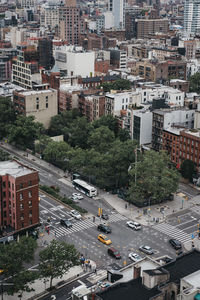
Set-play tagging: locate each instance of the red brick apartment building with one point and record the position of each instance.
(181, 145)
(19, 205)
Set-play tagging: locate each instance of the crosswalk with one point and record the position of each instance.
(83, 225)
(173, 232)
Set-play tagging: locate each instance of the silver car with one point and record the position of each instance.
(146, 249)
(134, 256)
(75, 214)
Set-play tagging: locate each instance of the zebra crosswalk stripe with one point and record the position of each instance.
(84, 224)
(173, 232)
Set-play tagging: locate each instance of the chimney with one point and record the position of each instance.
(136, 272)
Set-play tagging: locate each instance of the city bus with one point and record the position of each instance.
(84, 188)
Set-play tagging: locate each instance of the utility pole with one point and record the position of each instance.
(136, 166)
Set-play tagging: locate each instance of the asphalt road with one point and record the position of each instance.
(84, 235)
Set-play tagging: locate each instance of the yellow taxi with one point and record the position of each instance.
(104, 239)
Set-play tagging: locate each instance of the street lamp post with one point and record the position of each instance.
(2, 284)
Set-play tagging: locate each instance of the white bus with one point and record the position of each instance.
(85, 188)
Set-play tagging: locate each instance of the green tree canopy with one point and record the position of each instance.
(195, 83)
(4, 155)
(120, 84)
(7, 116)
(24, 131)
(56, 259)
(188, 169)
(61, 123)
(57, 153)
(101, 139)
(80, 130)
(12, 258)
(155, 177)
(108, 121)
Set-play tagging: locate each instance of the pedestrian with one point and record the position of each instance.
(95, 271)
(55, 233)
(126, 206)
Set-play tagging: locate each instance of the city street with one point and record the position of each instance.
(83, 235)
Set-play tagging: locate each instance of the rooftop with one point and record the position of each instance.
(184, 265)
(14, 169)
(33, 92)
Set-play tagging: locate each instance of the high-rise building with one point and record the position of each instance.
(19, 201)
(117, 7)
(69, 25)
(192, 16)
(45, 51)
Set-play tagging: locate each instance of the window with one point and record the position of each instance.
(47, 104)
(29, 183)
(22, 224)
(9, 184)
(12, 186)
(21, 206)
(30, 203)
(21, 196)
(4, 194)
(122, 100)
(4, 204)
(187, 116)
(30, 213)
(4, 184)
(30, 194)
(21, 185)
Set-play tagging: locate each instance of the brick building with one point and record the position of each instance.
(147, 26)
(160, 71)
(92, 106)
(182, 144)
(18, 197)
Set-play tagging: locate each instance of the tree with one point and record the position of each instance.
(188, 169)
(24, 131)
(12, 260)
(101, 139)
(195, 83)
(109, 121)
(7, 116)
(155, 178)
(56, 259)
(42, 143)
(57, 154)
(79, 133)
(61, 123)
(119, 84)
(4, 155)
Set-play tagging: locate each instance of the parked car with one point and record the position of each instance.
(146, 249)
(104, 228)
(77, 195)
(114, 253)
(175, 244)
(75, 214)
(66, 223)
(134, 225)
(103, 238)
(134, 256)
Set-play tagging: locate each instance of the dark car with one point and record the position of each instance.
(104, 216)
(104, 228)
(114, 253)
(66, 223)
(175, 244)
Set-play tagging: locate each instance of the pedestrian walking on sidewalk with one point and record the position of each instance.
(95, 270)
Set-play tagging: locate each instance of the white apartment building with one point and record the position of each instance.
(192, 16)
(173, 97)
(43, 104)
(50, 15)
(139, 125)
(197, 117)
(75, 61)
(26, 3)
(116, 102)
(117, 7)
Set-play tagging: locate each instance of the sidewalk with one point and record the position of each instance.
(132, 212)
(137, 214)
(40, 287)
